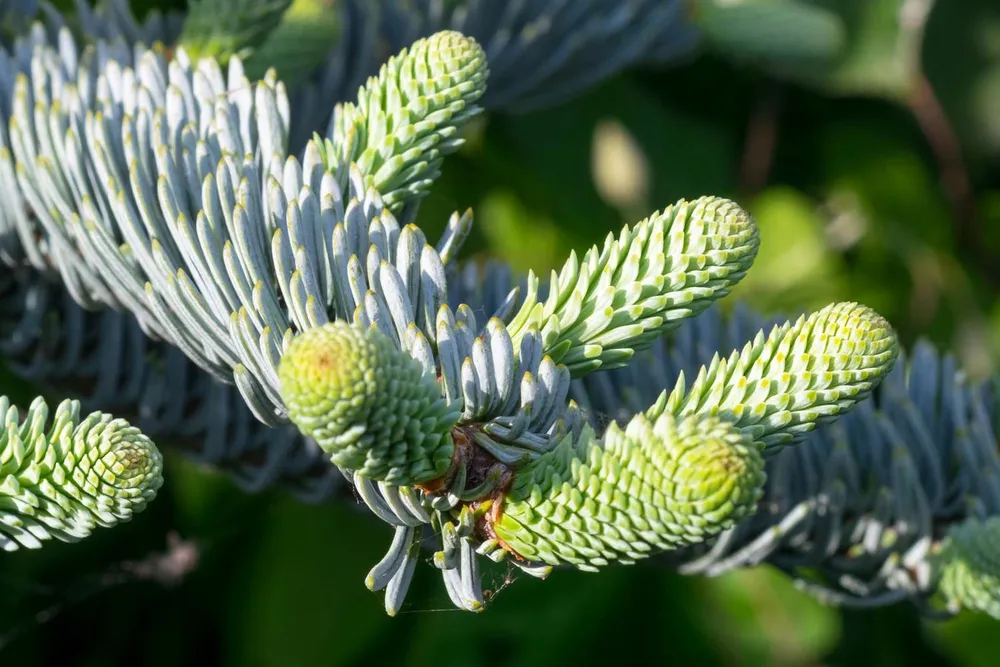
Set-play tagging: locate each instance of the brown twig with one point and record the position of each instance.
(944, 143)
(761, 141)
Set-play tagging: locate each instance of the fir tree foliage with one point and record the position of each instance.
(166, 197)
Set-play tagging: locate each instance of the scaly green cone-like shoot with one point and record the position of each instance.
(372, 407)
(408, 118)
(968, 566)
(619, 299)
(656, 485)
(779, 387)
(60, 481)
(692, 464)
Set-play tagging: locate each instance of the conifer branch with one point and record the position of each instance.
(156, 184)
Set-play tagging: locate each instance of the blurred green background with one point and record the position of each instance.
(875, 178)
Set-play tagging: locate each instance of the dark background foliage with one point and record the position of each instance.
(883, 198)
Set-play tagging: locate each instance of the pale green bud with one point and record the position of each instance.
(657, 485)
(779, 387)
(408, 118)
(968, 566)
(61, 480)
(371, 406)
(642, 284)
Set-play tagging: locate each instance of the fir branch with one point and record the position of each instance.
(512, 394)
(856, 511)
(146, 203)
(106, 361)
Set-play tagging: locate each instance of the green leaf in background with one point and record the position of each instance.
(15, 387)
(970, 640)
(843, 47)
(296, 595)
(222, 29)
(519, 236)
(769, 620)
(306, 35)
(624, 616)
(923, 284)
(882, 56)
(892, 637)
(772, 33)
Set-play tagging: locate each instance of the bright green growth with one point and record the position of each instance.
(222, 29)
(659, 484)
(619, 299)
(780, 387)
(692, 465)
(60, 481)
(772, 31)
(408, 118)
(372, 407)
(968, 566)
